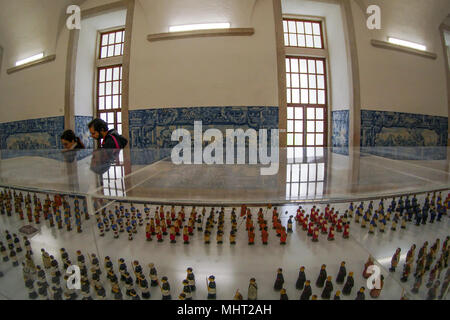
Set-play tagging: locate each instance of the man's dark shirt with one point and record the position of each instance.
(109, 143)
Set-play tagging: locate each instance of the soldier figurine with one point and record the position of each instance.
(307, 291)
(27, 245)
(153, 275)
(341, 274)
(252, 290)
(360, 295)
(283, 294)
(322, 276)
(187, 290)
(326, 293)
(165, 289)
(348, 284)
(57, 292)
(143, 285)
(100, 291)
(432, 276)
(337, 295)
(116, 292)
(432, 292)
(395, 260)
(279, 280)
(211, 288)
(32, 294)
(17, 243)
(4, 252)
(301, 279)
(191, 279)
(406, 272)
(417, 282)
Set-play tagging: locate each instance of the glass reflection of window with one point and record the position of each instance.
(303, 179)
(113, 183)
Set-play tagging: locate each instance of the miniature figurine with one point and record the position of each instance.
(337, 295)
(301, 279)
(341, 274)
(369, 263)
(375, 292)
(322, 276)
(187, 290)
(116, 292)
(395, 260)
(406, 272)
(331, 234)
(348, 284)
(153, 275)
(211, 288)
(307, 291)
(283, 294)
(360, 295)
(326, 293)
(346, 232)
(252, 290)
(279, 280)
(432, 292)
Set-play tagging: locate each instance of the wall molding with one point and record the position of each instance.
(201, 34)
(110, 7)
(46, 59)
(391, 46)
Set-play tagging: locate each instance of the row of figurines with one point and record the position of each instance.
(136, 216)
(425, 258)
(50, 263)
(50, 210)
(33, 273)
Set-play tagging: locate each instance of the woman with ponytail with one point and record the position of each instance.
(70, 141)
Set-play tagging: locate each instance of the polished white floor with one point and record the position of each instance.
(234, 266)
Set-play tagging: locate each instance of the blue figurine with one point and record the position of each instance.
(393, 204)
(414, 201)
(432, 215)
(440, 212)
(425, 215)
(418, 218)
(410, 213)
(400, 206)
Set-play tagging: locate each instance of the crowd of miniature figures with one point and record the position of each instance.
(50, 211)
(163, 223)
(49, 281)
(424, 263)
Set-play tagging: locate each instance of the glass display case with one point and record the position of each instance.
(124, 197)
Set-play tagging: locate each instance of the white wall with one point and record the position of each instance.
(86, 57)
(340, 86)
(397, 81)
(212, 71)
(36, 92)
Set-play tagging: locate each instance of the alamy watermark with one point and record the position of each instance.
(374, 281)
(213, 152)
(74, 279)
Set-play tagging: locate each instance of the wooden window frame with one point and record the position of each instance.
(100, 44)
(296, 20)
(308, 105)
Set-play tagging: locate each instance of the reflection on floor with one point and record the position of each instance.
(233, 266)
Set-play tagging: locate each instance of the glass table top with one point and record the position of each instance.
(150, 175)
